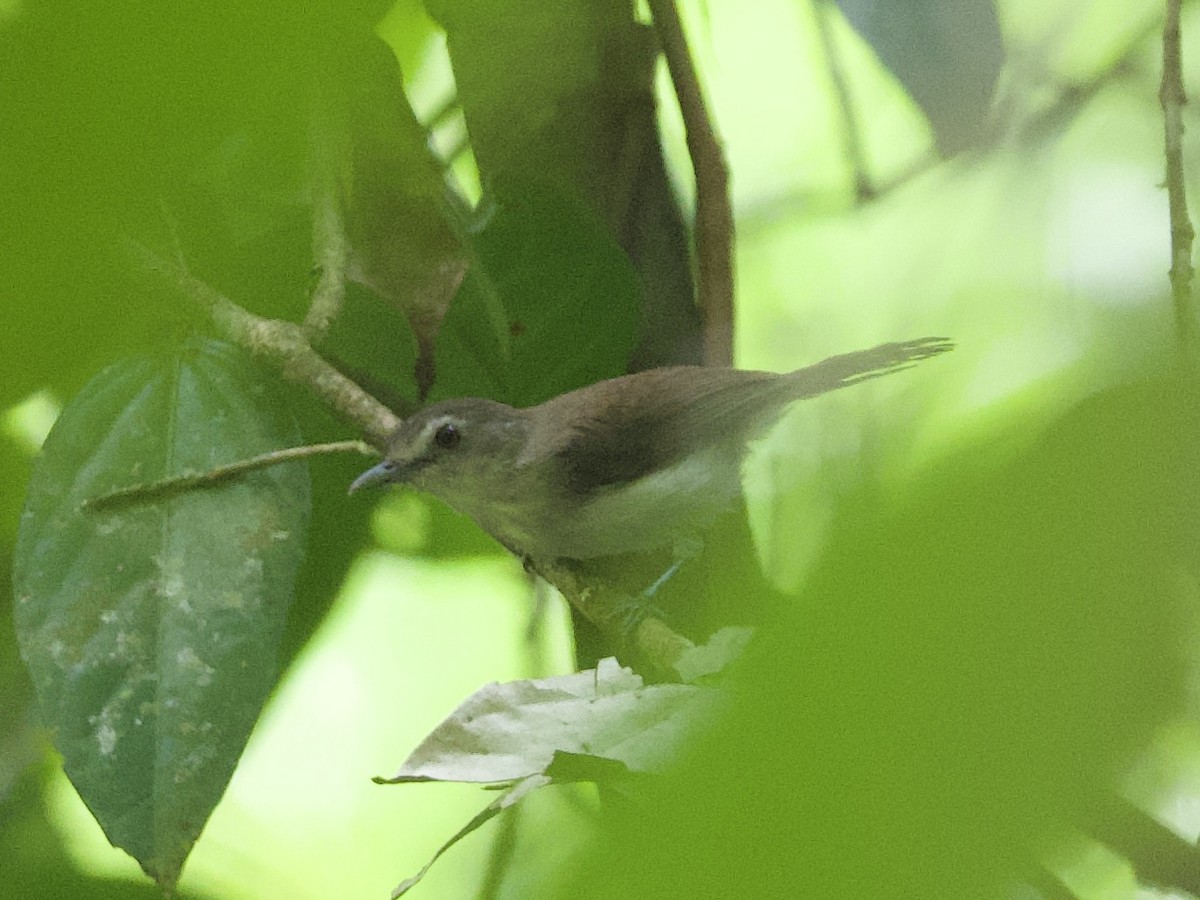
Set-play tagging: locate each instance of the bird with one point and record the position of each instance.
(626, 465)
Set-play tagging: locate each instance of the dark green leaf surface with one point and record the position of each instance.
(559, 102)
(570, 295)
(151, 630)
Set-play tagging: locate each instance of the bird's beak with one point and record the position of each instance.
(380, 474)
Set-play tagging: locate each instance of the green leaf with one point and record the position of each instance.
(568, 150)
(151, 630)
(570, 294)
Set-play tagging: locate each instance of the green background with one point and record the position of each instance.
(1043, 252)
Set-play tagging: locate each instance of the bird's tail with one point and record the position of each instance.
(851, 368)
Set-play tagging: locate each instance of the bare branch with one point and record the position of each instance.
(1172, 98)
(714, 215)
(282, 344)
(190, 481)
(331, 251)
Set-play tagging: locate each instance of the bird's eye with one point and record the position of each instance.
(447, 437)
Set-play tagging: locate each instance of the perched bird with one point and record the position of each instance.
(626, 465)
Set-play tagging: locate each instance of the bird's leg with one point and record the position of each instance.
(663, 578)
(683, 550)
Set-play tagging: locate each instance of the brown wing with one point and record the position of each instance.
(626, 428)
(630, 427)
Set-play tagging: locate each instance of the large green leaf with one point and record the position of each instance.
(150, 630)
(558, 99)
(570, 295)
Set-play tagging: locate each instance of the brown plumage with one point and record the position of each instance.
(621, 465)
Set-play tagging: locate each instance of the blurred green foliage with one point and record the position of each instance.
(965, 672)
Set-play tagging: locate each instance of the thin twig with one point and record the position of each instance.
(1073, 97)
(503, 852)
(282, 344)
(331, 250)
(1172, 97)
(190, 481)
(1068, 102)
(714, 215)
(852, 145)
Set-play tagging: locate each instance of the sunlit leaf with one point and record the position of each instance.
(150, 630)
(504, 732)
(601, 725)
